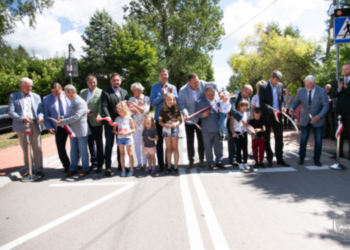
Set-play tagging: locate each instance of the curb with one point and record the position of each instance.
(17, 175)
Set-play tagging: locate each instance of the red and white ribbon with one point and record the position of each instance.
(288, 117)
(69, 131)
(108, 119)
(339, 130)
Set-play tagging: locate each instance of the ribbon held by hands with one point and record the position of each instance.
(66, 127)
(288, 117)
(108, 119)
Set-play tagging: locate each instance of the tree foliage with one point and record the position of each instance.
(264, 52)
(185, 30)
(12, 11)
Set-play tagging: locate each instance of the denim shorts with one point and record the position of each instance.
(171, 132)
(124, 141)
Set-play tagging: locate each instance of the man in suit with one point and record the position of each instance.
(26, 107)
(341, 91)
(110, 97)
(330, 121)
(210, 128)
(77, 121)
(271, 101)
(56, 105)
(188, 96)
(92, 96)
(247, 91)
(314, 102)
(158, 91)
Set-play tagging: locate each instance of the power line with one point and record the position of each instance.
(248, 21)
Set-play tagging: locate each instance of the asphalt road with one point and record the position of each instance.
(275, 208)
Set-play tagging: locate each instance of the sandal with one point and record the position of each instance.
(175, 171)
(168, 171)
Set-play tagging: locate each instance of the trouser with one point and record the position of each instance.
(78, 145)
(278, 132)
(345, 119)
(141, 157)
(286, 121)
(305, 132)
(231, 144)
(160, 149)
(109, 135)
(329, 126)
(222, 124)
(241, 141)
(190, 130)
(258, 147)
(96, 146)
(61, 137)
(35, 140)
(211, 140)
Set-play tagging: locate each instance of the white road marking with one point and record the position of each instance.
(90, 184)
(191, 218)
(53, 163)
(324, 167)
(220, 172)
(65, 218)
(216, 233)
(286, 156)
(273, 170)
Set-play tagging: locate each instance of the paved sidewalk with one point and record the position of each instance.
(11, 159)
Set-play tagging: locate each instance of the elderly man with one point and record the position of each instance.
(25, 107)
(330, 119)
(111, 96)
(341, 91)
(210, 128)
(314, 102)
(56, 105)
(92, 96)
(272, 101)
(158, 92)
(246, 92)
(188, 96)
(77, 121)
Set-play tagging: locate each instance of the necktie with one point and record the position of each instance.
(310, 97)
(60, 107)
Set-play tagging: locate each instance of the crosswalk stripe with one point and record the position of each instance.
(324, 167)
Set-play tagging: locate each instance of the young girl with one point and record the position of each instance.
(170, 119)
(224, 108)
(239, 133)
(149, 138)
(125, 129)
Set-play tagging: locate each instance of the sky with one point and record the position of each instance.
(65, 22)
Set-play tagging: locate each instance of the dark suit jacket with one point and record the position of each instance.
(266, 99)
(343, 99)
(109, 100)
(234, 104)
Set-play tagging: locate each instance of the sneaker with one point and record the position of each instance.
(241, 166)
(123, 174)
(131, 173)
(153, 170)
(246, 166)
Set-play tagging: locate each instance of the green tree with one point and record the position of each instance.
(294, 57)
(183, 30)
(12, 11)
(234, 83)
(98, 37)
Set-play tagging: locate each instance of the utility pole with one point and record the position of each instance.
(337, 47)
(70, 49)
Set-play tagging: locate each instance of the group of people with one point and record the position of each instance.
(210, 117)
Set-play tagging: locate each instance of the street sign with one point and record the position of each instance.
(342, 25)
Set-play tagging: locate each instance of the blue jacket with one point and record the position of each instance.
(50, 110)
(16, 106)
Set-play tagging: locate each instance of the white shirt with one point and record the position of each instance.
(27, 112)
(256, 101)
(194, 93)
(312, 94)
(89, 94)
(225, 107)
(64, 105)
(238, 126)
(215, 107)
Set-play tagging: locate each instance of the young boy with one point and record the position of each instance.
(224, 107)
(258, 141)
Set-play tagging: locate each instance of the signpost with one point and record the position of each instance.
(71, 65)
